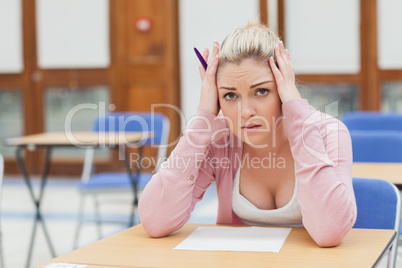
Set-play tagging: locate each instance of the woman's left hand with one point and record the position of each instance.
(285, 75)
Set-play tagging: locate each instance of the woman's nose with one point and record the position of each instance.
(246, 109)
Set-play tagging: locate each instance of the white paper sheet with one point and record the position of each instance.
(65, 265)
(262, 239)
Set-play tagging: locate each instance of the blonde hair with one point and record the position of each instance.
(254, 40)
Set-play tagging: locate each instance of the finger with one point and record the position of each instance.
(211, 70)
(284, 53)
(282, 50)
(288, 70)
(288, 58)
(272, 65)
(279, 58)
(275, 71)
(283, 63)
(201, 71)
(205, 54)
(215, 50)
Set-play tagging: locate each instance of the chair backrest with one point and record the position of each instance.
(158, 123)
(370, 120)
(378, 207)
(378, 204)
(135, 121)
(376, 146)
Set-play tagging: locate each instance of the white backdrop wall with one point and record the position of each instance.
(202, 22)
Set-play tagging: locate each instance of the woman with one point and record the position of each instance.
(275, 159)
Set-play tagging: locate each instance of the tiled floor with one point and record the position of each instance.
(59, 208)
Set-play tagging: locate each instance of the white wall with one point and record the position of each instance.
(202, 22)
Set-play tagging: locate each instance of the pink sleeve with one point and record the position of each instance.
(169, 198)
(322, 150)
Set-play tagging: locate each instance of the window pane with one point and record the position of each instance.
(391, 96)
(11, 37)
(332, 99)
(323, 36)
(11, 118)
(73, 33)
(78, 106)
(389, 42)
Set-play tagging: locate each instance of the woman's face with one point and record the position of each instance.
(250, 102)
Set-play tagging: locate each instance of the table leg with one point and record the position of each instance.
(45, 174)
(134, 181)
(37, 201)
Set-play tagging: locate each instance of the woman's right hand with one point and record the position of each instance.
(209, 90)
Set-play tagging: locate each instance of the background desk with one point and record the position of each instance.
(134, 248)
(84, 139)
(391, 172)
(48, 140)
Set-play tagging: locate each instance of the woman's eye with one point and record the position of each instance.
(262, 92)
(230, 96)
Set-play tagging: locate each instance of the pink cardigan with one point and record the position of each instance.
(208, 151)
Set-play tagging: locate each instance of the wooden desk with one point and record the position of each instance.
(49, 140)
(134, 248)
(84, 139)
(391, 172)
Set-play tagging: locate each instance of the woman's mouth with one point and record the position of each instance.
(251, 127)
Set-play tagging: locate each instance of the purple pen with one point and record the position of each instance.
(199, 56)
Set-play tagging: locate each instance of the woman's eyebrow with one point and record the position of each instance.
(252, 86)
(228, 88)
(259, 84)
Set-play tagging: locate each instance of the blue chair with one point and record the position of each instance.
(370, 120)
(378, 207)
(376, 146)
(115, 182)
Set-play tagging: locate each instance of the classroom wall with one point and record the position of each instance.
(330, 42)
(331, 46)
(200, 23)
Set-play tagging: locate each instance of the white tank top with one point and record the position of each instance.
(288, 215)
